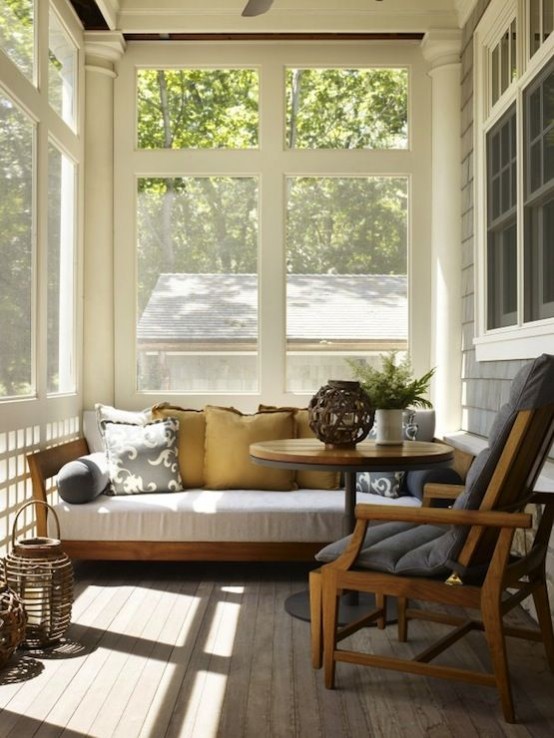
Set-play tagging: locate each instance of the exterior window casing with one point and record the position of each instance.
(514, 184)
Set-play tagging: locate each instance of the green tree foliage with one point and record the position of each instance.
(347, 108)
(17, 33)
(347, 225)
(197, 108)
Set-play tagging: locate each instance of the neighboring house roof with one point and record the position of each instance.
(222, 308)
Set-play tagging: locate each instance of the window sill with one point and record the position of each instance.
(516, 343)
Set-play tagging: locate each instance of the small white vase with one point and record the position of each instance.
(388, 427)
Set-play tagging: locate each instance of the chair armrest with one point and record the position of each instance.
(441, 492)
(443, 516)
(44, 465)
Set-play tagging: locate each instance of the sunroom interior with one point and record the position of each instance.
(213, 209)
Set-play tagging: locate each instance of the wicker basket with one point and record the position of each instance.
(12, 623)
(41, 574)
(340, 414)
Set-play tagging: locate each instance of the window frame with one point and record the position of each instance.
(41, 407)
(272, 61)
(523, 339)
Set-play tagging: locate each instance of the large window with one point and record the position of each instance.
(515, 161)
(270, 219)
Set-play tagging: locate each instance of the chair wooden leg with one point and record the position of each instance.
(330, 603)
(316, 617)
(494, 632)
(402, 604)
(381, 602)
(542, 606)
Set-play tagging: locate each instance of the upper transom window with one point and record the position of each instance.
(347, 108)
(197, 108)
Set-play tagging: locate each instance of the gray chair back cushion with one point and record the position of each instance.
(425, 550)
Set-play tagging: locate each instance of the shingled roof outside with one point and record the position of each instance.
(222, 308)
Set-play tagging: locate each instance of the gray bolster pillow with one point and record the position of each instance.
(416, 480)
(83, 479)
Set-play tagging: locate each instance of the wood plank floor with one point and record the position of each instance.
(163, 650)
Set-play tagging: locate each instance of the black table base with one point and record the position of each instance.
(298, 605)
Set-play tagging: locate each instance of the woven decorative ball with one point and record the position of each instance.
(340, 414)
(12, 623)
(41, 574)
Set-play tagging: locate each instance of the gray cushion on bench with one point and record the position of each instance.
(83, 479)
(424, 550)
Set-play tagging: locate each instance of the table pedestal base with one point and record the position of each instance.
(298, 605)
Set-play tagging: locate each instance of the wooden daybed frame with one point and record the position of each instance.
(45, 465)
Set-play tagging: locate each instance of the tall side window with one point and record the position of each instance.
(61, 273)
(501, 222)
(539, 196)
(516, 159)
(17, 136)
(17, 34)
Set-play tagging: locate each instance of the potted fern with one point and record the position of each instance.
(391, 390)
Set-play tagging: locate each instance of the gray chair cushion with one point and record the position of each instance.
(83, 479)
(428, 550)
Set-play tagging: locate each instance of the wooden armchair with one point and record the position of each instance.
(467, 564)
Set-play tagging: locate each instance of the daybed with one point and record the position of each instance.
(196, 523)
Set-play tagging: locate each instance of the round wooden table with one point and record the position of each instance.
(309, 453)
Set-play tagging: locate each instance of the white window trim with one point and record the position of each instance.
(522, 340)
(40, 408)
(413, 163)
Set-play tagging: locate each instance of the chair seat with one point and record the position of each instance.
(396, 548)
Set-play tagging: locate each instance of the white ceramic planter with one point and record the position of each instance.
(388, 427)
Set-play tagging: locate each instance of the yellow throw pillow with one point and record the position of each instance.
(191, 438)
(312, 479)
(229, 434)
(306, 479)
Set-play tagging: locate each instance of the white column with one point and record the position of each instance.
(103, 49)
(442, 49)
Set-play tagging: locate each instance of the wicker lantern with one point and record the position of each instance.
(42, 575)
(12, 622)
(340, 414)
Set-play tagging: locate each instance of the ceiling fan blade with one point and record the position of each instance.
(256, 7)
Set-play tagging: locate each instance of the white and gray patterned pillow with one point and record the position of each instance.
(143, 458)
(385, 484)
